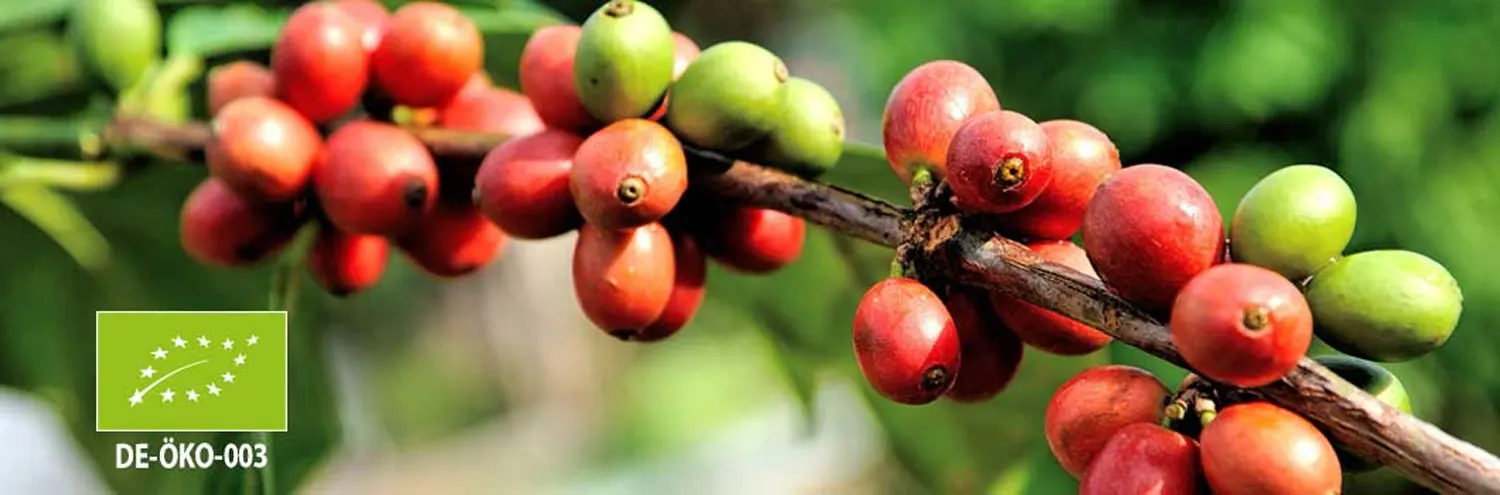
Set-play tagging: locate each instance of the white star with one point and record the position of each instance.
(158, 354)
(136, 397)
(252, 340)
(193, 395)
(228, 344)
(148, 372)
(178, 342)
(228, 377)
(239, 360)
(213, 389)
(202, 341)
(167, 396)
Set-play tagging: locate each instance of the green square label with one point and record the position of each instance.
(176, 371)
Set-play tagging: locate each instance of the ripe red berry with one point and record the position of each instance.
(453, 240)
(235, 80)
(222, 228)
(375, 178)
(998, 162)
(990, 353)
(1042, 328)
(427, 54)
(547, 78)
(628, 174)
(482, 108)
(1256, 448)
(1150, 229)
(319, 63)
(372, 17)
(624, 279)
(753, 240)
(1082, 157)
(1094, 405)
(522, 185)
(1144, 458)
(1241, 324)
(926, 108)
(906, 342)
(344, 263)
(687, 291)
(263, 149)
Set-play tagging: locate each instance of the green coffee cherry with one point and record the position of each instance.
(1294, 221)
(809, 135)
(623, 65)
(116, 39)
(728, 98)
(1387, 305)
(1375, 380)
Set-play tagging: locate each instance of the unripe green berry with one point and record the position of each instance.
(809, 137)
(1294, 221)
(728, 98)
(1386, 305)
(623, 64)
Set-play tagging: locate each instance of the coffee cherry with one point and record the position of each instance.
(809, 135)
(1294, 221)
(624, 60)
(687, 291)
(372, 17)
(728, 98)
(624, 279)
(1042, 328)
(482, 108)
(1150, 229)
(1144, 458)
(1260, 448)
(117, 40)
(1374, 380)
(926, 109)
(754, 240)
(990, 353)
(263, 149)
(375, 178)
(547, 78)
(628, 174)
(222, 228)
(235, 80)
(1241, 324)
(998, 162)
(906, 342)
(1082, 157)
(427, 54)
(344, 263)
(1093, 405)
(684, 52)
(522, 185)
(453, 240)
(319, 63)
(1385, 305)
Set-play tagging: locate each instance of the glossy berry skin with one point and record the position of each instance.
(522, 185)
(754, 240)
(372, 17)
(906, 342)
(1150, 229)
(344, 264)
(1241, 324)
(998, 162)
(687, 291)
(428, 52)
(1258, 448)
(490, 109)
(1082, 157)
(1042, 328)
(238, 79)
(729, 97)
(1094, 405)
(624, 279)
(547, 78)
(1146, 459)
(263, 149)
(1385, 305)
(221, 228)
(628, 174)
(684, 52)
(319, 63)
(990, 353)
(624, 60)
(1294, 221)
(926, 108)
(453, 240)
(375, 178)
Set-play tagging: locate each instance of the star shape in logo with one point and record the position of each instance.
(228, 344)
(167, 396)
(148, 372)
(239, 360)
(252, 340)
(213, 389)
(158, 354)
(136, 397)
(228, 377)
(178, 342)
(202, 341)
(192, 395)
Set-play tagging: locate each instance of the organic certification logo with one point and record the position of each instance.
(191, 371)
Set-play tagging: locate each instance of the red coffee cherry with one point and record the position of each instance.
(1082, 157)
(1042, 328)
(624, 279)
(998, 162)
(1144, 458)
(990, 353)
(453, 240)
(482, 108)
(522, 185)
(319, 63)
(238, 79)
(1256, 448)
(375, 178)
(685, 51)
(372, 17)
(1094, 405)
(263, 149)
(1241, 324)
(926, 109)
(753, 240)
(344, 263)
(1150, 229)
(906, 342)
(687, 291)
(547, 78)
(628, 174)
(429, 51)
(222, 228)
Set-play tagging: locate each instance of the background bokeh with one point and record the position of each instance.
(497, 384)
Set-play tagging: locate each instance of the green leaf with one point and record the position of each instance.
(59, 218)
(505, 32)
(207, 31)
(63, 174)
(30, 13)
